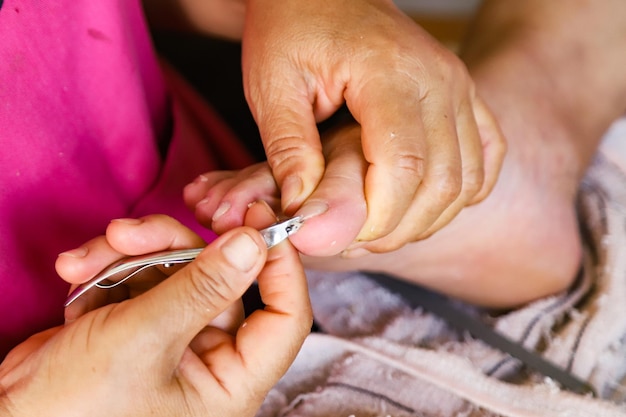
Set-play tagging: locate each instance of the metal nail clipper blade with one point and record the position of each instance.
(126, 268)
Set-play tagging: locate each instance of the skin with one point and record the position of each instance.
(432, 145)
(522, 242)
(168, 349)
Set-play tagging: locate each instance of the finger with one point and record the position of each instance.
(472, 168)
(175, 311)
(470, 146)
(289, 133)
(336, 210)
(494, 147)
(151, 233)
(124, 237)
(81, 264)
(394, 144)
(442, 180)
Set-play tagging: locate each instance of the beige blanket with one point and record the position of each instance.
(379, 357)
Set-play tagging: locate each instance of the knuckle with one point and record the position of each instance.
(456, 75)
(447, 186)
(282, 150)
(406, 167)
(473, 179)
(210, 290)
(450, 65)
(410, 165)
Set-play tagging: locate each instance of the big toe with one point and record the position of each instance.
(332, 231)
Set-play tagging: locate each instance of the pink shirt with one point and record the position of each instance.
(83, 106)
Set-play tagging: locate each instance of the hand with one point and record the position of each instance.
(431, 145)
(155, 354)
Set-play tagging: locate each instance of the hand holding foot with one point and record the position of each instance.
(160, 351)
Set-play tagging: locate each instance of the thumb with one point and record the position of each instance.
(294, 153)
(286, 119)
(176, 310)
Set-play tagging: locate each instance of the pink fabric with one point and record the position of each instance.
(83, 105)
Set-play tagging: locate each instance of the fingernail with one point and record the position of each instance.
(291, 190)
(221, 210)
(312, 209)
(265, 206)
(200, 178)
(130, 221)
(76, 253)
(241, 251)
(355, 253)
